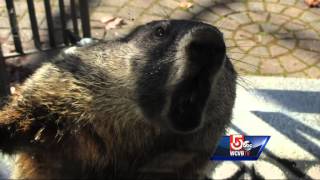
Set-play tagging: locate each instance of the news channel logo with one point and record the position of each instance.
(240, 147)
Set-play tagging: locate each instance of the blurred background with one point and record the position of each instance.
(273, 44)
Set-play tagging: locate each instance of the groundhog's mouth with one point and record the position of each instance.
(188, 102)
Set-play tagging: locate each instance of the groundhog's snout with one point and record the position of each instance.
(205, 53)
(206, 48)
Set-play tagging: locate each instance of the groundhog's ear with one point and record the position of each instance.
(18, 131)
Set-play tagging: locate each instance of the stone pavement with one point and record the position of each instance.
(271, 37)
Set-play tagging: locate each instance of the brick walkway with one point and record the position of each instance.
(273, 37)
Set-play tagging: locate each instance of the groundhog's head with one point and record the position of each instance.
(177, 67)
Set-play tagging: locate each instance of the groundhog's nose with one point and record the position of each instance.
(206, 47)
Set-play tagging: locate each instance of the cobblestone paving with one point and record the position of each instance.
(271, 37)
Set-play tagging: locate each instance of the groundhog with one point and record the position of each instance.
(162, 94)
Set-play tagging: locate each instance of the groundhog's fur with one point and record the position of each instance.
(110, 109)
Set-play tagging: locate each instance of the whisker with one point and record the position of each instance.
(243, 62)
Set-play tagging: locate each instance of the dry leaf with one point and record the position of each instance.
(115, 23)
(185, 5)
(107, 19)
(313, 3)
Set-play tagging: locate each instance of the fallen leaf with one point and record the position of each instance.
(313, 3)
(185, 5)
(107, 19)
(115, 23)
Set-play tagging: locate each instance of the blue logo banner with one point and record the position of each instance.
(240, 147)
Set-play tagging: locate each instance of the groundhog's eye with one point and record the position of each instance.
(160, 32)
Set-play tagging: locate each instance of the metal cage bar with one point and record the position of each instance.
(63, 22)
(4, 84)
(14, 26)
(83, 9)
(34, 24)
(50, 23)
(73, 10)
(85, 19)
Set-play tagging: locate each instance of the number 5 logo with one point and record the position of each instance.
(236, 142)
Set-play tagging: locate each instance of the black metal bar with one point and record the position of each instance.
(34, 24)
(50, 23)
(63, 22)
(85, 20)
(74, 17)
(14, 26)
(4, 83)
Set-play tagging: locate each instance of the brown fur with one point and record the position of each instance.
(78, 117)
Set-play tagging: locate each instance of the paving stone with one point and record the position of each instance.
(237, 6)
(271, 67)
(313, 72)
(106, 9)
(98, 15)
(246, 44)
(226, 33)
(294, 26)
(228, 24)
(259, 51)
(276, 50)
(309, 16)
(236, 56)
(313, 45)
(291, 63)
(269, 28)
(315, 25)
(97, 25)
(287, 2)
(129, 12)
(180, 14)
(253, 28)
(308, 57)
(207, 16)
(246, 67)
(142, 3)
(20, 8)
(156, 9)
(241, 18)
(264, 38)
(258, 16)
(278, 19)
(240, 35)
(171, 4)
(293, 12)
(276, 8)
(297, 75)
(204, 3)
(196, 9)
(230, 43)
(4, 22)
(256, 6)
(221, 10)
(98, 33)
(288, 43)
(117, 3)
(307, 34)
(147, 18)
